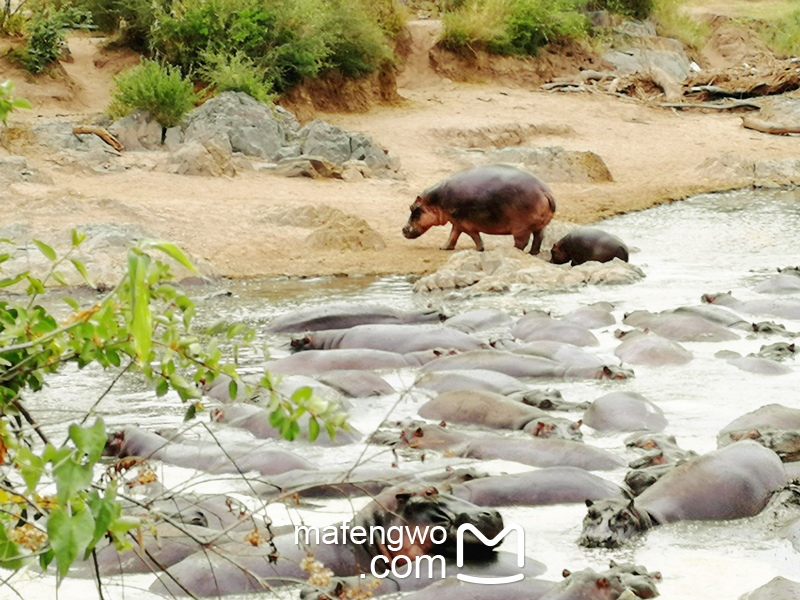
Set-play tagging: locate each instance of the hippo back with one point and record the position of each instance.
(731, 483)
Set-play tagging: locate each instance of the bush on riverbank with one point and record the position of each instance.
(513, 26)
(276, 42)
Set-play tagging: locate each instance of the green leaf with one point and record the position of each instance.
(313, 429)
(30, 467)
(104, 510)
(79, 266)
(277, 417)
(21, 103)
(77, 238)
(141, 320)
(8, 281)
(69, 536)
(331, 429)
(177, 254)
(73, 304)
(191, 412)
(162, 387)
(49, 253)
(302, 394)
(90, 440)
(71, 476)
(59, 277)
(233, 389)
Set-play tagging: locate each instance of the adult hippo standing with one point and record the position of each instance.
(585, 244)
(731, 483)
(493, 199)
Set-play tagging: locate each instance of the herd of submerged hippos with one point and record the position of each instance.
(479, 392)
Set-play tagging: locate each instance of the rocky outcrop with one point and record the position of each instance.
(15, 169)
(779, 115)
(498, 270)
(551, 163)
(332, 228)
(735, 171)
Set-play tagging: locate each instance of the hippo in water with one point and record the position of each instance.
(585, 244)
(493, 199)
(240, 568)
(731, 483)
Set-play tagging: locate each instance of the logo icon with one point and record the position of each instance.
(493, 542)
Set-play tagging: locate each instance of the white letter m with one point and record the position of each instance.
(493, 542)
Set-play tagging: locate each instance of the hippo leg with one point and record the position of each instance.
(521, 240)
(451, 241)
(537, 242)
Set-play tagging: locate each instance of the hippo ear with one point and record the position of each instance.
(753, 434)
(402, 498)
(577, 424)
(566, 573)
(589, 503)
(603, 583)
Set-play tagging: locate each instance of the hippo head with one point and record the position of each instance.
(115, 445)
(623, 580)
(550, 427)
(614, 372)
(557, 255)
(421, 219)
(419, 508)
(609, 523)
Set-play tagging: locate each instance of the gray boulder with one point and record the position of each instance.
(249, 126)
(16, 169)
(138, 131)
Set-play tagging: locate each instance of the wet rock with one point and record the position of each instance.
(138, 131)
(552, 163)
(496, 270)
(778, 588)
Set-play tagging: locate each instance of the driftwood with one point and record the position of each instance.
(100, 132)
(729, 106)
(764, 127)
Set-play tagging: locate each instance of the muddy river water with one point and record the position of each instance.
(712, 243)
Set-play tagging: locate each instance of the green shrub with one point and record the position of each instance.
(513, 26)
(156, 88)
(783, 35)
(236, 73)
(357, 44)
(46, 32)
(287, 40)
(635, 9)
(672, 21)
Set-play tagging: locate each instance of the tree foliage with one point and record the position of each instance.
(56, 503)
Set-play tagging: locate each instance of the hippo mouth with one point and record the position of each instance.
(411, 233)
(431, 510)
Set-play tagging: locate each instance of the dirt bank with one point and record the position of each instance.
(654, 155)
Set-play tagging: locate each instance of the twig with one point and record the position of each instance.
(709, 105)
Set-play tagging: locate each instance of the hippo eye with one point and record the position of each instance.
(431, 491)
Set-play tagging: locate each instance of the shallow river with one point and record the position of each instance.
(712, 243)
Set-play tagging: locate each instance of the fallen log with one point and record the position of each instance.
(100, 132)
(709, 105)
(764, 127)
